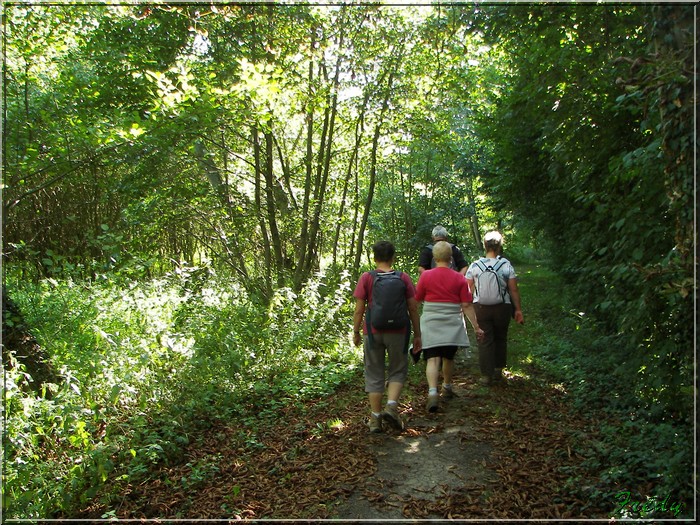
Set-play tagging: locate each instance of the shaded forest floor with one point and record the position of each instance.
(505, 451)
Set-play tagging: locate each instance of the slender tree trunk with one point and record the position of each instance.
(323, 170)
(352, 168)
(271, 209)
(267, 261)
(373, 174)
(308, 163)
(473, 215)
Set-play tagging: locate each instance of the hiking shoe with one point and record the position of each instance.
(448, 393)
(433, 403)
(486, 381)
(375, 424)
(391, 416)
(498, 374)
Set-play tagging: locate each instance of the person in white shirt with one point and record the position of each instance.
(498, 302)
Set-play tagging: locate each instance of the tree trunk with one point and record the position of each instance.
(271, 209)
(473, 217)
(373, 175)
(308, 163)
(267, 261)
(20, 348)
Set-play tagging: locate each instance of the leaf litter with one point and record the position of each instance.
(500, 452)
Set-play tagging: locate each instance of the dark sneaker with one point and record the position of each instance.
(391, 416)
(486, 381)
(498, 374)
(433, 403)
(375, 424)
(448, 393)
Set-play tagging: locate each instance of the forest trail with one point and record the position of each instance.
(438, 454)
(492, 452)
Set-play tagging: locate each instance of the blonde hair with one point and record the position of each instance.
(442, 251)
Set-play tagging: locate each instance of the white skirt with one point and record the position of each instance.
(442, 324)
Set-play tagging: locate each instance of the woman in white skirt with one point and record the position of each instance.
(447, 301)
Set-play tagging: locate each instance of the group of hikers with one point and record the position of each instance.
(387, 311)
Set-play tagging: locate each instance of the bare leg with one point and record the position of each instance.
(448, 368)
(375, 401)
(394, 391)
(432, 371)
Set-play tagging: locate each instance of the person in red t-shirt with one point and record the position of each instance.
(380, 343)
(447, 301)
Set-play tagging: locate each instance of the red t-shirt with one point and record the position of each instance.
(443, 285)
(363, 291)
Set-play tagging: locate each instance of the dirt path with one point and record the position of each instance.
(436, 455)
(501, 452)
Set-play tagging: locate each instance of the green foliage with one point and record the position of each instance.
(630, 443)
(601, 167)
(174, 176)
(144, 363)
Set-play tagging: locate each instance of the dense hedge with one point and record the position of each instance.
(593, 151)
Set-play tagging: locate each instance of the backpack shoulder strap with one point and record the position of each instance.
(500, 263)
(399, 275)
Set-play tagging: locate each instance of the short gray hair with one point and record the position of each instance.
(439, 232)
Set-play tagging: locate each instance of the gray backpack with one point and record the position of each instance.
(490, 285)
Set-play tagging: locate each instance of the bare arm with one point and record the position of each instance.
(469, 313)
(415, 322)
(515, 299)
(470, 283)
(357, 321)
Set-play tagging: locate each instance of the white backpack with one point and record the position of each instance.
(490, 286)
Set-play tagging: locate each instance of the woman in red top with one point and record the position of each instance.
(447, 301)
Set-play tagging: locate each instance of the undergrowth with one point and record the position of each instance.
(145, 365)
(634, 443)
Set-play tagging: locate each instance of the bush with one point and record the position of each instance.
(143, 364)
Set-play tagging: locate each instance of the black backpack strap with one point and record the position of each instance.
(368, 310)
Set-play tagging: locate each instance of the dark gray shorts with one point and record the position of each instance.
(393, 345)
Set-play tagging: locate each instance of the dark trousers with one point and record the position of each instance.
(494, 321)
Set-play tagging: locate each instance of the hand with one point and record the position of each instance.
(519, 317)
(480, 334)
(357, 338)
(417, 345)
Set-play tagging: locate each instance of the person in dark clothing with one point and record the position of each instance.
(426, 261)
